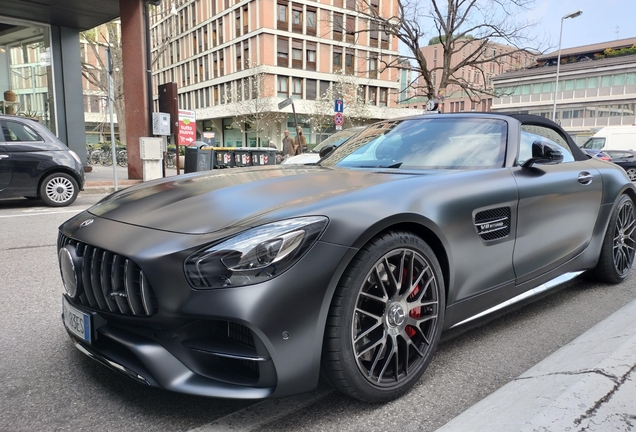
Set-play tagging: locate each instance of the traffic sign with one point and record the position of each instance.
(187, 127)
(284, 103)
(338, 106)
(338, 119)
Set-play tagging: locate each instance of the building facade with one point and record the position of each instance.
(497, 59)
(597, 87)
(234, 61)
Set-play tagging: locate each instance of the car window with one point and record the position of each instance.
(594, 143)
(14, 131)
(532, 134)
(435, 143)
(336, 139)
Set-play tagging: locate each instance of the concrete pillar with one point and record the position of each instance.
(133, 48)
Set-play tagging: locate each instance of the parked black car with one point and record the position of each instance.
(246, 283)
(34, 163)
(625, 159)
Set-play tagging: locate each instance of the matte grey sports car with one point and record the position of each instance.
(247, 283)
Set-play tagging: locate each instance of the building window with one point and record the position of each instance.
(383, 94)
(297, 89)
(337, 60)
(338, 26)
(283, 52)
(373, 67)
(324, 88)
(349, 63)
(283, 90)
(282, 16)
(297, 20)
(373, 34)
(310, 20)
(311, 56)
(310, 90)
(373, 95)
(297, 58)
(351, 28)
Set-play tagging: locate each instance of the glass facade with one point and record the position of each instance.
(26, 75)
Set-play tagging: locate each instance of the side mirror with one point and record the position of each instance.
(543, 153)
(325, 151)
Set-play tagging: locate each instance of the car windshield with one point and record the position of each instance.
(425, 143)
(594, 143)
(336, 139)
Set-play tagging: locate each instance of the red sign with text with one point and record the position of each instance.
(187, 127)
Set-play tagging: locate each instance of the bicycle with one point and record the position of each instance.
(122, 157)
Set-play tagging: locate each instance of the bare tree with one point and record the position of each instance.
(345, 88)
(96, 41)
(465, 28)
(253, 105)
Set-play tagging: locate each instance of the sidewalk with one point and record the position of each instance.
(588, 385)
(101, 179)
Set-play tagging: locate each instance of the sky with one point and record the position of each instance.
(601, 21)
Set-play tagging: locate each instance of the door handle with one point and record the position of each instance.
(585, 178)
(4, 156)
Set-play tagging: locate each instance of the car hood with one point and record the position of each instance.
(304, 158)
(210, 201)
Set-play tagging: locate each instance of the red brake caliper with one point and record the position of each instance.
(415, 312)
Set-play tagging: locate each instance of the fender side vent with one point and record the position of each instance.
(493, 224)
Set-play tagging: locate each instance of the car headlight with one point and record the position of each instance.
(254, 256)
(75, 156)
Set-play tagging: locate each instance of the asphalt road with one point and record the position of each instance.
(46, 384)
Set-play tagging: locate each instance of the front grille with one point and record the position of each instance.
(110, 282)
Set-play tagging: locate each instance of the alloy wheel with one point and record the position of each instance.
(631, 173)
(395, 318)
(624, 241)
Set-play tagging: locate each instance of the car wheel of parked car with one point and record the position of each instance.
(58, 190)
(631, 173)
(617, 253)
(385, 318)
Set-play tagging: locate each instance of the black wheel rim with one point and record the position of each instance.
(395, 318)
(624, 238)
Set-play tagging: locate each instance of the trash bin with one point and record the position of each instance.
(264, 156)
(243, 156)
(224, 157)
(198, 157)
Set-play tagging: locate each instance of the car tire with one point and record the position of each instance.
(59, 190)
(631, 173)
(617, 252)
(382, 333)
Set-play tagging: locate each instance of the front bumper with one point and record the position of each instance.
(244, 342)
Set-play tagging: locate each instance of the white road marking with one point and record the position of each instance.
(264, 412)
(41, 213)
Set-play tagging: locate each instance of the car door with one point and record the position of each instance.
(558, 206)
(5, 165)
(26, 155)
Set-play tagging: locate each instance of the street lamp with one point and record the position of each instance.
(556, 84)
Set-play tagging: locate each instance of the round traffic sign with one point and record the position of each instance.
(338, 119)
